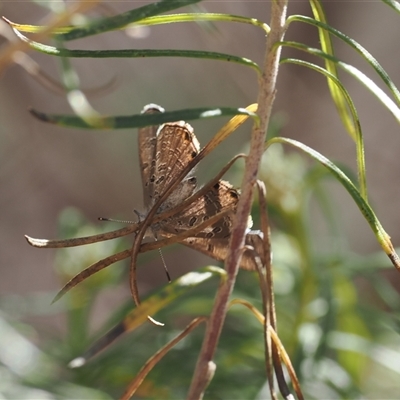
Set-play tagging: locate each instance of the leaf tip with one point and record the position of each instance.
(6, 20)
(155, 322)
(58, 296)
(77, 362)
(28, 239)
(395, 259)
(41, 116)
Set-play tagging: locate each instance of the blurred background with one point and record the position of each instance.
(45, 169)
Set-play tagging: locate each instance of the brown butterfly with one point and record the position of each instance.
(164, 152)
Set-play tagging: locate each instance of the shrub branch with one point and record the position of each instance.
(267, 87)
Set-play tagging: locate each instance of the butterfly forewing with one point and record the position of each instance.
(176, 147)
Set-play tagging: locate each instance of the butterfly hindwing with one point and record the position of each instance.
(213, 240)
(220, 197)
(218, 248)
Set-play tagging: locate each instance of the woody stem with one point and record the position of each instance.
(205, 367)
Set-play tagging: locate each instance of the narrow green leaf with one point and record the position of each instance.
(356, 73)
(133, 53)
(394, 4)
(158, 20)
(382, 237)
(36, 28)
(327, 47)
(195, 17)
(118, 21)
(372, 61)
(140, 120)
(348, 103)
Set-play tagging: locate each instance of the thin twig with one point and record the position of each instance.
(267, 88)
(267, 288)
(133, 386)
(286, 359)
(63, 243)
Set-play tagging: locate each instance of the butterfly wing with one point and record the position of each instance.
(213, 240)
(218, 249)
(176, 146)
(220, 197)
(147, 138)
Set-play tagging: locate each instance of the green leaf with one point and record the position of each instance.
(134, 53)
(394, 4)
(121, 20)
(327, 47)
(157, 20)
(371, 60)
(356, 73)
(348, 104)
(382, 237)
(140, 120)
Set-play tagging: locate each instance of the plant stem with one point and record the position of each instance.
(205, 367)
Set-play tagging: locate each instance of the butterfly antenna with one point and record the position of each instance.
(115, 220)
(131, 222)
(165, 265)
